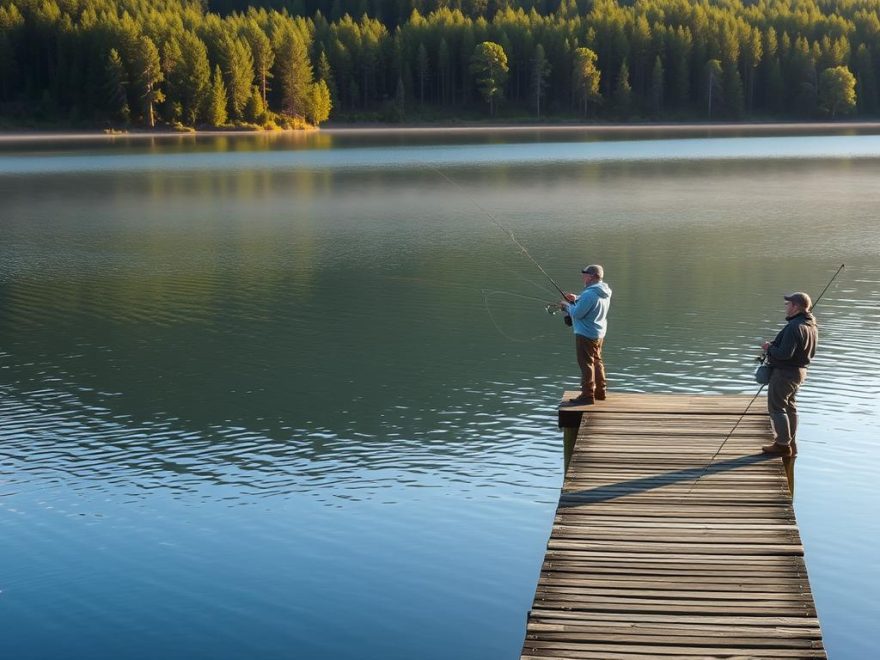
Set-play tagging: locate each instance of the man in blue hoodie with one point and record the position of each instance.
(589, 313)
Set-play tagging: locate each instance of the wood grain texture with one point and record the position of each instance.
(663, 546)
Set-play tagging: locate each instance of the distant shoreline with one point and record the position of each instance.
(600, 128)
(27, 135)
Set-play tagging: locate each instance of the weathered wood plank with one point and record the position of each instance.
(774, 622)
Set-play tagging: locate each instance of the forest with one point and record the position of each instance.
(297, 63)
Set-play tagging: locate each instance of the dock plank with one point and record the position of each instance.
(654, 554)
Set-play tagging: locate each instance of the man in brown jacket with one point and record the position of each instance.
(789, 354)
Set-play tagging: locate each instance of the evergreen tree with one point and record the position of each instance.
(189, 78)
(293, 74)
(538, 80)
(215, 109)
(489, 68)
(714, 77)
(116, 82)
(680, 49)
(752, 52)
(657, 87)
(775, 88)
(733, 90)
(443, 67)
(325, 73)
(262, 55)
(320, 104)
(236, 61)
(11, 21)
(866, 81)
(147, 70)
(423, 71)
(586, 79)
(255, 110)
(623, 92)
(400, 101)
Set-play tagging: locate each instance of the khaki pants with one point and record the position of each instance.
(589, 358)
(781, 405)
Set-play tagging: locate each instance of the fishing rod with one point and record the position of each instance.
(757, 394)
(507, 231)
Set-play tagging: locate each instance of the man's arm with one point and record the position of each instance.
(784, 350)
(583, 305)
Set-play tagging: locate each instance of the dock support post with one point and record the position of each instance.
(570, 435)
(788, 465)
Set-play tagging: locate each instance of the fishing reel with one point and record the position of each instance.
(553, 309)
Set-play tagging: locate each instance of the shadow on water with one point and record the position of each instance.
(645, 484)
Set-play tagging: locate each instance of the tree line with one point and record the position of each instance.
(284, 61)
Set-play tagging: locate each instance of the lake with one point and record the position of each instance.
(294, 396)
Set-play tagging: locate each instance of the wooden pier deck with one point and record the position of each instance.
(644, 563)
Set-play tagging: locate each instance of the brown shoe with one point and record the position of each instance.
(777, 450)
(579, 401)
(600, 396)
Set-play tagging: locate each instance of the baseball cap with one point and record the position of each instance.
(799, 298)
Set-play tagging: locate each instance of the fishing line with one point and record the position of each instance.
(486, 295)
(504, 228)
(757, 394)
(542, 286)
(515, 295)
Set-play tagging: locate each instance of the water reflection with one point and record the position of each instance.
(360, 360)
(327, 152)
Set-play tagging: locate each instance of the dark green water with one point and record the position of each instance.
(294, 396)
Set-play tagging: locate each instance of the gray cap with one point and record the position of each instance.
(594, 269)
(800, 298)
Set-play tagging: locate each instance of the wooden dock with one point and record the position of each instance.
(645, 560)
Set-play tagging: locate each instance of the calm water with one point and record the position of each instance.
(294, 396)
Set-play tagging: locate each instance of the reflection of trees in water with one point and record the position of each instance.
(292, 323)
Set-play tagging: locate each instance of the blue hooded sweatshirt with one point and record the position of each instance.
(589, 313)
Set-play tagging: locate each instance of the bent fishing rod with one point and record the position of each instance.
(757, 394)
(507, 231)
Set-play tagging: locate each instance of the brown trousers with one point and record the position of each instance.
(781, 404)
(589, 357)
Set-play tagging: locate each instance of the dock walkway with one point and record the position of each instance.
(644, 561)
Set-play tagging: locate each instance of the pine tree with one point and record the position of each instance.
(215, 110)
(255, 109)
(320, 104)
(325, 73)
(866, 81)
(538, 79)
(261, 54)
(623, 92)
(586, 78)
(657, 87)
(775, 88)
(147, 69)
(116, 82)
(293, 73)
(714, 78)
(237, 64)
(423, 71)
(400, 101)
(189, 80)
(443, 69)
